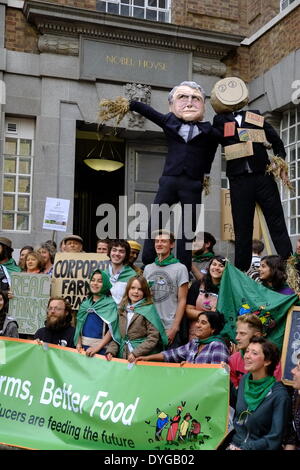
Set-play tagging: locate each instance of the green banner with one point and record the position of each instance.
(55, 398)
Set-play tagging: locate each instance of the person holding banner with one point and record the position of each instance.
(263, 405)
(58, 328)
(207, 348)
(97, 318)
(140, 328)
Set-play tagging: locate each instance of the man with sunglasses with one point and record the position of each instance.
(191, 150)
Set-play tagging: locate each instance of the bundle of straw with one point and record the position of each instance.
(117, 108)
(276, 166)
(293, 278)
(206, 185)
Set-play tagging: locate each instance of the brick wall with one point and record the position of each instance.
(223, 15)
(19, 35)
(90, 4)
(259, 12)
(269, 49)
(231, 16)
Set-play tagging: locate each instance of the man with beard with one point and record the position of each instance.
(58, 329)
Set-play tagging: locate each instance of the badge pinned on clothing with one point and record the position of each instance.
(229, 129)
(255, 119)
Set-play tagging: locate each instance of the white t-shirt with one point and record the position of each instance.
(166, 282)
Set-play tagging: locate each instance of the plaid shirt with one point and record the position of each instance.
(212, 353)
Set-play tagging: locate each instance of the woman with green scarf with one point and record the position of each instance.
(140, 329)
(263, 405)
(207, 348)
(97, 317)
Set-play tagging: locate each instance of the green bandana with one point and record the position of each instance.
(203, 257)
(125, 274)
(11, 266)
(210, 339)
(256, 390)
(106, 284)
(165, 262)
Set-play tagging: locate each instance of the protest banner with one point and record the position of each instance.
(28, 305)
(53, 398)
(71, 274)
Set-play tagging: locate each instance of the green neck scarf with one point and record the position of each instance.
(203, 257)
(165, 262)
(11, 266)
(149, 312)
(210, 339)
(255, 391)
(125, 274)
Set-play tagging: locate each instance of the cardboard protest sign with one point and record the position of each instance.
(244, 149)
(53, 399)
(28, 306)
(71, 275)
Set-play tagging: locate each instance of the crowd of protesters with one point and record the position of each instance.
(162, 312)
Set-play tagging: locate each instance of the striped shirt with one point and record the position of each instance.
(212, 353)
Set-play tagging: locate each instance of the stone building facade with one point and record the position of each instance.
(59, 58)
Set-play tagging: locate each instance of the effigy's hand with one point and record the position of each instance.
(117, 108)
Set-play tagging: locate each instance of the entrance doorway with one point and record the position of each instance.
(92, 187)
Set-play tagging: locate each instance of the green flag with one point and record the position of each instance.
(239, 294)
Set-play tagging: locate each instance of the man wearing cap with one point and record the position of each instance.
(135, 249)
(7, 263)
(73, 244)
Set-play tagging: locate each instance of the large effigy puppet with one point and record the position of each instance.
(246, 137)
(191, 149)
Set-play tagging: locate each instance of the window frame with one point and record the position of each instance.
(290, 135)
(146, 8)
(25, 131)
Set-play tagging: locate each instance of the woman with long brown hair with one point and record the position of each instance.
(140, 328)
